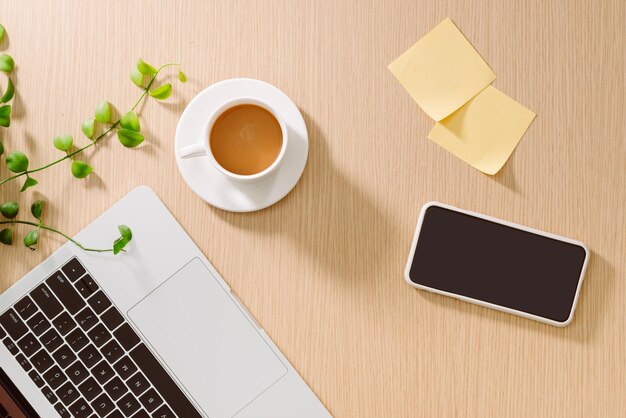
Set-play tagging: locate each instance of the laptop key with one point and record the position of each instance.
(29, 344)
(163, 383)
(138, 383)
(23, 362)
(38, 324)
(42, 360)
(150, 400)
(46, 301)
(126, 336)
(141, 414)
(99, 335)
(163, 412)
(99, 302)
(91, 283)
(128, 404)
(51, 340)
(49, 394)
(64, 356)
(125, 367)
(77, 340)
(73, 269)
(61, 410)
(66, 293)
(115, 414)
(86, 286)
(90, 356)
(112, 318)
(103, 405)
(13, 324)
(80, 409)
(112, 351)
(64, 323)
(55, 377)
(90, 389)
(102, 372)
(77, 372)
(83, 289)
(67, 393)
(10, 345)
(36, 378)
(26, 307)
(87, 318)
(3, 333)
(115, 388)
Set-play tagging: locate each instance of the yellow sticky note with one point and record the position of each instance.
(485, 131)
(442, 71)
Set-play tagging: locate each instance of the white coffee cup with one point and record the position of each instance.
(203, 147)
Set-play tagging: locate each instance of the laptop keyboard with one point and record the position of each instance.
(84, 356)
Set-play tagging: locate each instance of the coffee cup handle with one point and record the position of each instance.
(190, 151)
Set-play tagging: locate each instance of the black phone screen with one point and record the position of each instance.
(485, 260)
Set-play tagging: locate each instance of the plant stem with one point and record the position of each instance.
(48, 228)
(145, 91)
(98, 138)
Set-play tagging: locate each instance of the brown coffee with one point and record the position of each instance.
(246, 139)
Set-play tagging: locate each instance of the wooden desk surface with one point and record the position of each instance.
(322, 269)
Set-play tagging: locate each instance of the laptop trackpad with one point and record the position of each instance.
(207, 342)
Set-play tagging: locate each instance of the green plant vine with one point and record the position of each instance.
(127, 128)
(6, 66)
(9, 210)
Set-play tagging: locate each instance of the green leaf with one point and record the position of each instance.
(30, 182)
(3, 33)
(137, 78)
(125, 231)
(182, 76)
(37, 208)
(162, 92)
(88, 128)
(1, 149)
(31, 238)
(123, 240)
(130, 121)
(6, 63)
(80, 169)
(128, 138)
(103, 112)
(118, 245)
(17, 162)
(63, 142)
(9, 209)
(6, 236)
(5, 116)
(8, 95)
(145, 68)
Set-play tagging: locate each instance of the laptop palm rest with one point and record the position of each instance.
(206, 341)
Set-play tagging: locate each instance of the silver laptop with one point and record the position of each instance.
(155, 332)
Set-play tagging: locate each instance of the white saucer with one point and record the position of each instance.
(214, 187)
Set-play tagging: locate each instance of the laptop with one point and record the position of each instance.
(155, 332)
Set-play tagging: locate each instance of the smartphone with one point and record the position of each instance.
(497, 264)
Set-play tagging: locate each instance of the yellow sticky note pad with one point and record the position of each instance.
(485, 131)
(442, 71)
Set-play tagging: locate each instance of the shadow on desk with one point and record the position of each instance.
(331, 218)
(506, 176)
(595, 296)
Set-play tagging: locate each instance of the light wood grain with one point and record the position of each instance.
(322, 269)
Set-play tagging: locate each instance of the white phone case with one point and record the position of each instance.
(481, 302)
